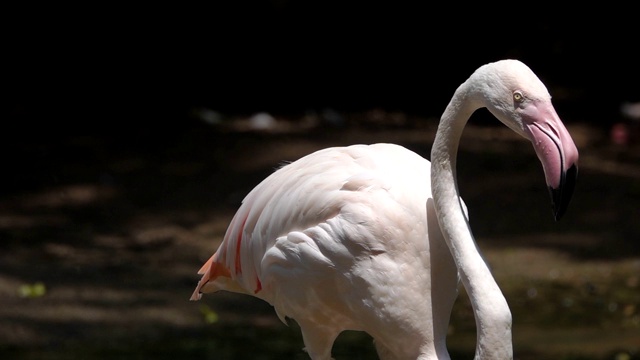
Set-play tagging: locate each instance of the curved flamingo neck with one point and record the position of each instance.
(492, 314)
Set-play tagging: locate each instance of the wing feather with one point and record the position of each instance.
(297, 197)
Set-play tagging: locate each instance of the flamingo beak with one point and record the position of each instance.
(561, 196)
(555, 149)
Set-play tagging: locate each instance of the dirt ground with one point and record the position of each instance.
(101, 241)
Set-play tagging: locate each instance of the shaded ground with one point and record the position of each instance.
(115, 229)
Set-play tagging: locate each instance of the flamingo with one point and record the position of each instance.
(376, 238)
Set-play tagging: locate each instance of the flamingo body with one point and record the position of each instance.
(331, 239)
(376, 238)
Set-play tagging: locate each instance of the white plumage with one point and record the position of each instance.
(367, 238)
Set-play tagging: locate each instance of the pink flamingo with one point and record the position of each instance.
(376, 238)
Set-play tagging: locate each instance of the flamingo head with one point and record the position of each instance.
(515, 95)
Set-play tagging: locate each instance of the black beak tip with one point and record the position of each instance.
(561, 196)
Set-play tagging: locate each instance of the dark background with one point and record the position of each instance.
(100, 67)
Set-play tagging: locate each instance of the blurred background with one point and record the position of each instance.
(130, 135)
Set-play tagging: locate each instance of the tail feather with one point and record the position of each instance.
(206, 266)
(210, 271)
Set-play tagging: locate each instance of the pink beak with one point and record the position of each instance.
(555, 149)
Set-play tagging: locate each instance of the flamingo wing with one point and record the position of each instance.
(297, 197)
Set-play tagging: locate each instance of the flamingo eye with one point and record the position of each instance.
(518, 97)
